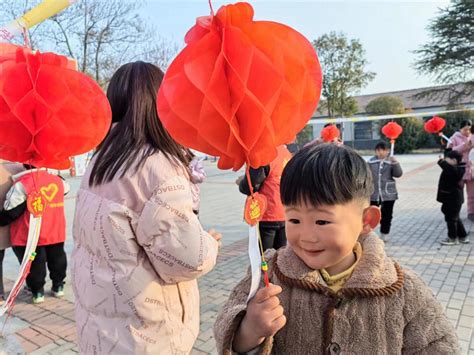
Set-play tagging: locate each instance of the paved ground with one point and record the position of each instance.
(418, 226)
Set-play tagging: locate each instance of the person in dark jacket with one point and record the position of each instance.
(384, 170)
(266, 181)
(450, 194)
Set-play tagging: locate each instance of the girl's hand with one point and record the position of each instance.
(216, 235)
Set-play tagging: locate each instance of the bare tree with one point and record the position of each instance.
(99, 34)
(11, 9)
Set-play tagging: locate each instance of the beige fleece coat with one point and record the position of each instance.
(382, 309)
(138, 251)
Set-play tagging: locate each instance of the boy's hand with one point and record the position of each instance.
(263, 319)
(393, 159)
(264, 312)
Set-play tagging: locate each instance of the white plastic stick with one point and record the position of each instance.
(255, 260)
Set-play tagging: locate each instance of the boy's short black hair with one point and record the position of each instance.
(454, 154)
(381, 145)
(325, 174)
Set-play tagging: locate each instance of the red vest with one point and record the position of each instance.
(53, 225)
(271, 187)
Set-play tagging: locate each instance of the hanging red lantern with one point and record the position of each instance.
(48, 110)
(240, 88)
(435, 124)
(330, 133)
(392, 130)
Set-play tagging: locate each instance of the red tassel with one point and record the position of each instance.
(265, 278)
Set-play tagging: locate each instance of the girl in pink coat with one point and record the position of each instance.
(463, 142)
(138, 247)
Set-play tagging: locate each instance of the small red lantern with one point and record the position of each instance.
(392, 130)
(48, 110)
(330, 133)
(435, 125)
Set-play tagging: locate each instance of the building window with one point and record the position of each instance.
(363, 130)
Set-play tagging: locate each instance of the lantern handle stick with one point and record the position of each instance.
(264, 264)
(441, 134)
(392, 147)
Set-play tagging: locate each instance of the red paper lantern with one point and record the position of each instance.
(48, 111)
(240, 88)
(330, 133)
(435, 125)
(392, 130)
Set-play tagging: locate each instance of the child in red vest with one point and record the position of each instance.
(266, 181)
(50, 249)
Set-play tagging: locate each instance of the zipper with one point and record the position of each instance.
(380, 181)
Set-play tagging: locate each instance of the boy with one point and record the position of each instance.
(450, 194)
(333, 289)
(384, 170)
(50, 249)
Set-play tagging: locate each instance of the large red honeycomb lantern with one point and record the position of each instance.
(240, 88)
(48, 110)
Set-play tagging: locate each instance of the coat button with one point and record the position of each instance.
(334, 349)
(338, 303)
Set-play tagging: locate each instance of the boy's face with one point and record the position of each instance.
(324, 236)
(381, 153)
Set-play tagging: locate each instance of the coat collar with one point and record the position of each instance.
(375, 273)
(23, 173)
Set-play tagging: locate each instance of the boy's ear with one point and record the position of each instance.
(371, 219)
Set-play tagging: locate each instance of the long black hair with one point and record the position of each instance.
(138, 132)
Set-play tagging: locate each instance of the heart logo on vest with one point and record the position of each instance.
(49, 192)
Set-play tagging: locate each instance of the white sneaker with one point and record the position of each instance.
(59, 292)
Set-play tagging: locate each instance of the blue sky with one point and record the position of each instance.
(388, 30)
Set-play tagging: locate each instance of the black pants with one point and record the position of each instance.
(273, 235)
(451, 216)
(2, 290)
(53, 255)
(386, 208)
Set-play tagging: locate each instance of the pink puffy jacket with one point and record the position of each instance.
(458, 142)
(138, 250)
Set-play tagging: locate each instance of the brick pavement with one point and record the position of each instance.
(418, 226)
